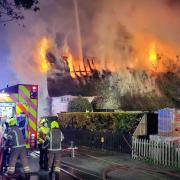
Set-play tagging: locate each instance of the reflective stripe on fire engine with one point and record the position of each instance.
(24, 95)
(26, 92)
(32, 124)
(27, 105)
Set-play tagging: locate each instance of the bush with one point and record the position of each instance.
(79, 105)
(101, 121)
(97, 103)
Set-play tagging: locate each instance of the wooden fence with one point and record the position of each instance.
(156, 152)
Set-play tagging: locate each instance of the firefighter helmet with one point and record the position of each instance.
(12, 122)
(54, 125)
(42, 121)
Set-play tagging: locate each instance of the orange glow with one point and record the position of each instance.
(70, 64)
(76, 66)
(40, 54)
(44, 44)
(153, 53)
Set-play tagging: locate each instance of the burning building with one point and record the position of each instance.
(135, 51)
(63, 79)
(67, 76)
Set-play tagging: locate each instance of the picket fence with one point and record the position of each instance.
(164, 153)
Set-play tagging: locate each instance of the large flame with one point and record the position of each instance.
(71, 66)
(153, 53)
(75, 65)
(40, 54)
(43, 49)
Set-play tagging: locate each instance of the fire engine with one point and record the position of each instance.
(21, 101)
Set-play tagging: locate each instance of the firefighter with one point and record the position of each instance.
(5, 147)
(17, 143)
(55, 138)
(42, 133)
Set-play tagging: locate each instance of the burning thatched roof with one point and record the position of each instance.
(86, 81)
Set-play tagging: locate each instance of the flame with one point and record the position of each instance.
(75, 65)
(40, 54)
(69, 58)
(70, 64)
(153, 53)
(44, 45)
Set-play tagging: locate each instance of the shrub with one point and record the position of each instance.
(79, 105)
(101, 121)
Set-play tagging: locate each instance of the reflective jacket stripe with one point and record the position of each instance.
(55, 149)
(17, 140)
(51, 140)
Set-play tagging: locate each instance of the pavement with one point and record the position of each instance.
(117, 166)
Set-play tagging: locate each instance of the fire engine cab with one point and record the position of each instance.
(21, 101)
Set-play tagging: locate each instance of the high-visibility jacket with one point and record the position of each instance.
(55, 138)
(42, 134)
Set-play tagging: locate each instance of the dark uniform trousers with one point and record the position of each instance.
(54, 157)
(43, 159)
(15, 153)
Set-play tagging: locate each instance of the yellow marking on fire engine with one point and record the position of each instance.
(18, 110)
(34, 101)
(27, 93)
(32, 124)
(8, 99)
(17, 96)
(32, 111)
(21, 99)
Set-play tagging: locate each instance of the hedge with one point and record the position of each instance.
(101, 121)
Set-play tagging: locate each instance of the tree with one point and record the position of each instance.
(79, 105)
(11, 10)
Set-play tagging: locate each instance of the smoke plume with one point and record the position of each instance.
(117, 32)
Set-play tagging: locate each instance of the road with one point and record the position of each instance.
(66, 172)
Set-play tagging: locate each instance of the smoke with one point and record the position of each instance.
(118, 32)
(134, 24)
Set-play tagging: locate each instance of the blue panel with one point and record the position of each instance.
(22, 124)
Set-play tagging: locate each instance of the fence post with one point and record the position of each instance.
(160, 152)
(147, 148)
(139, 147)
(144, 149)
(172, 154)
(166, 154)
(132, 151)
(135, 149)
